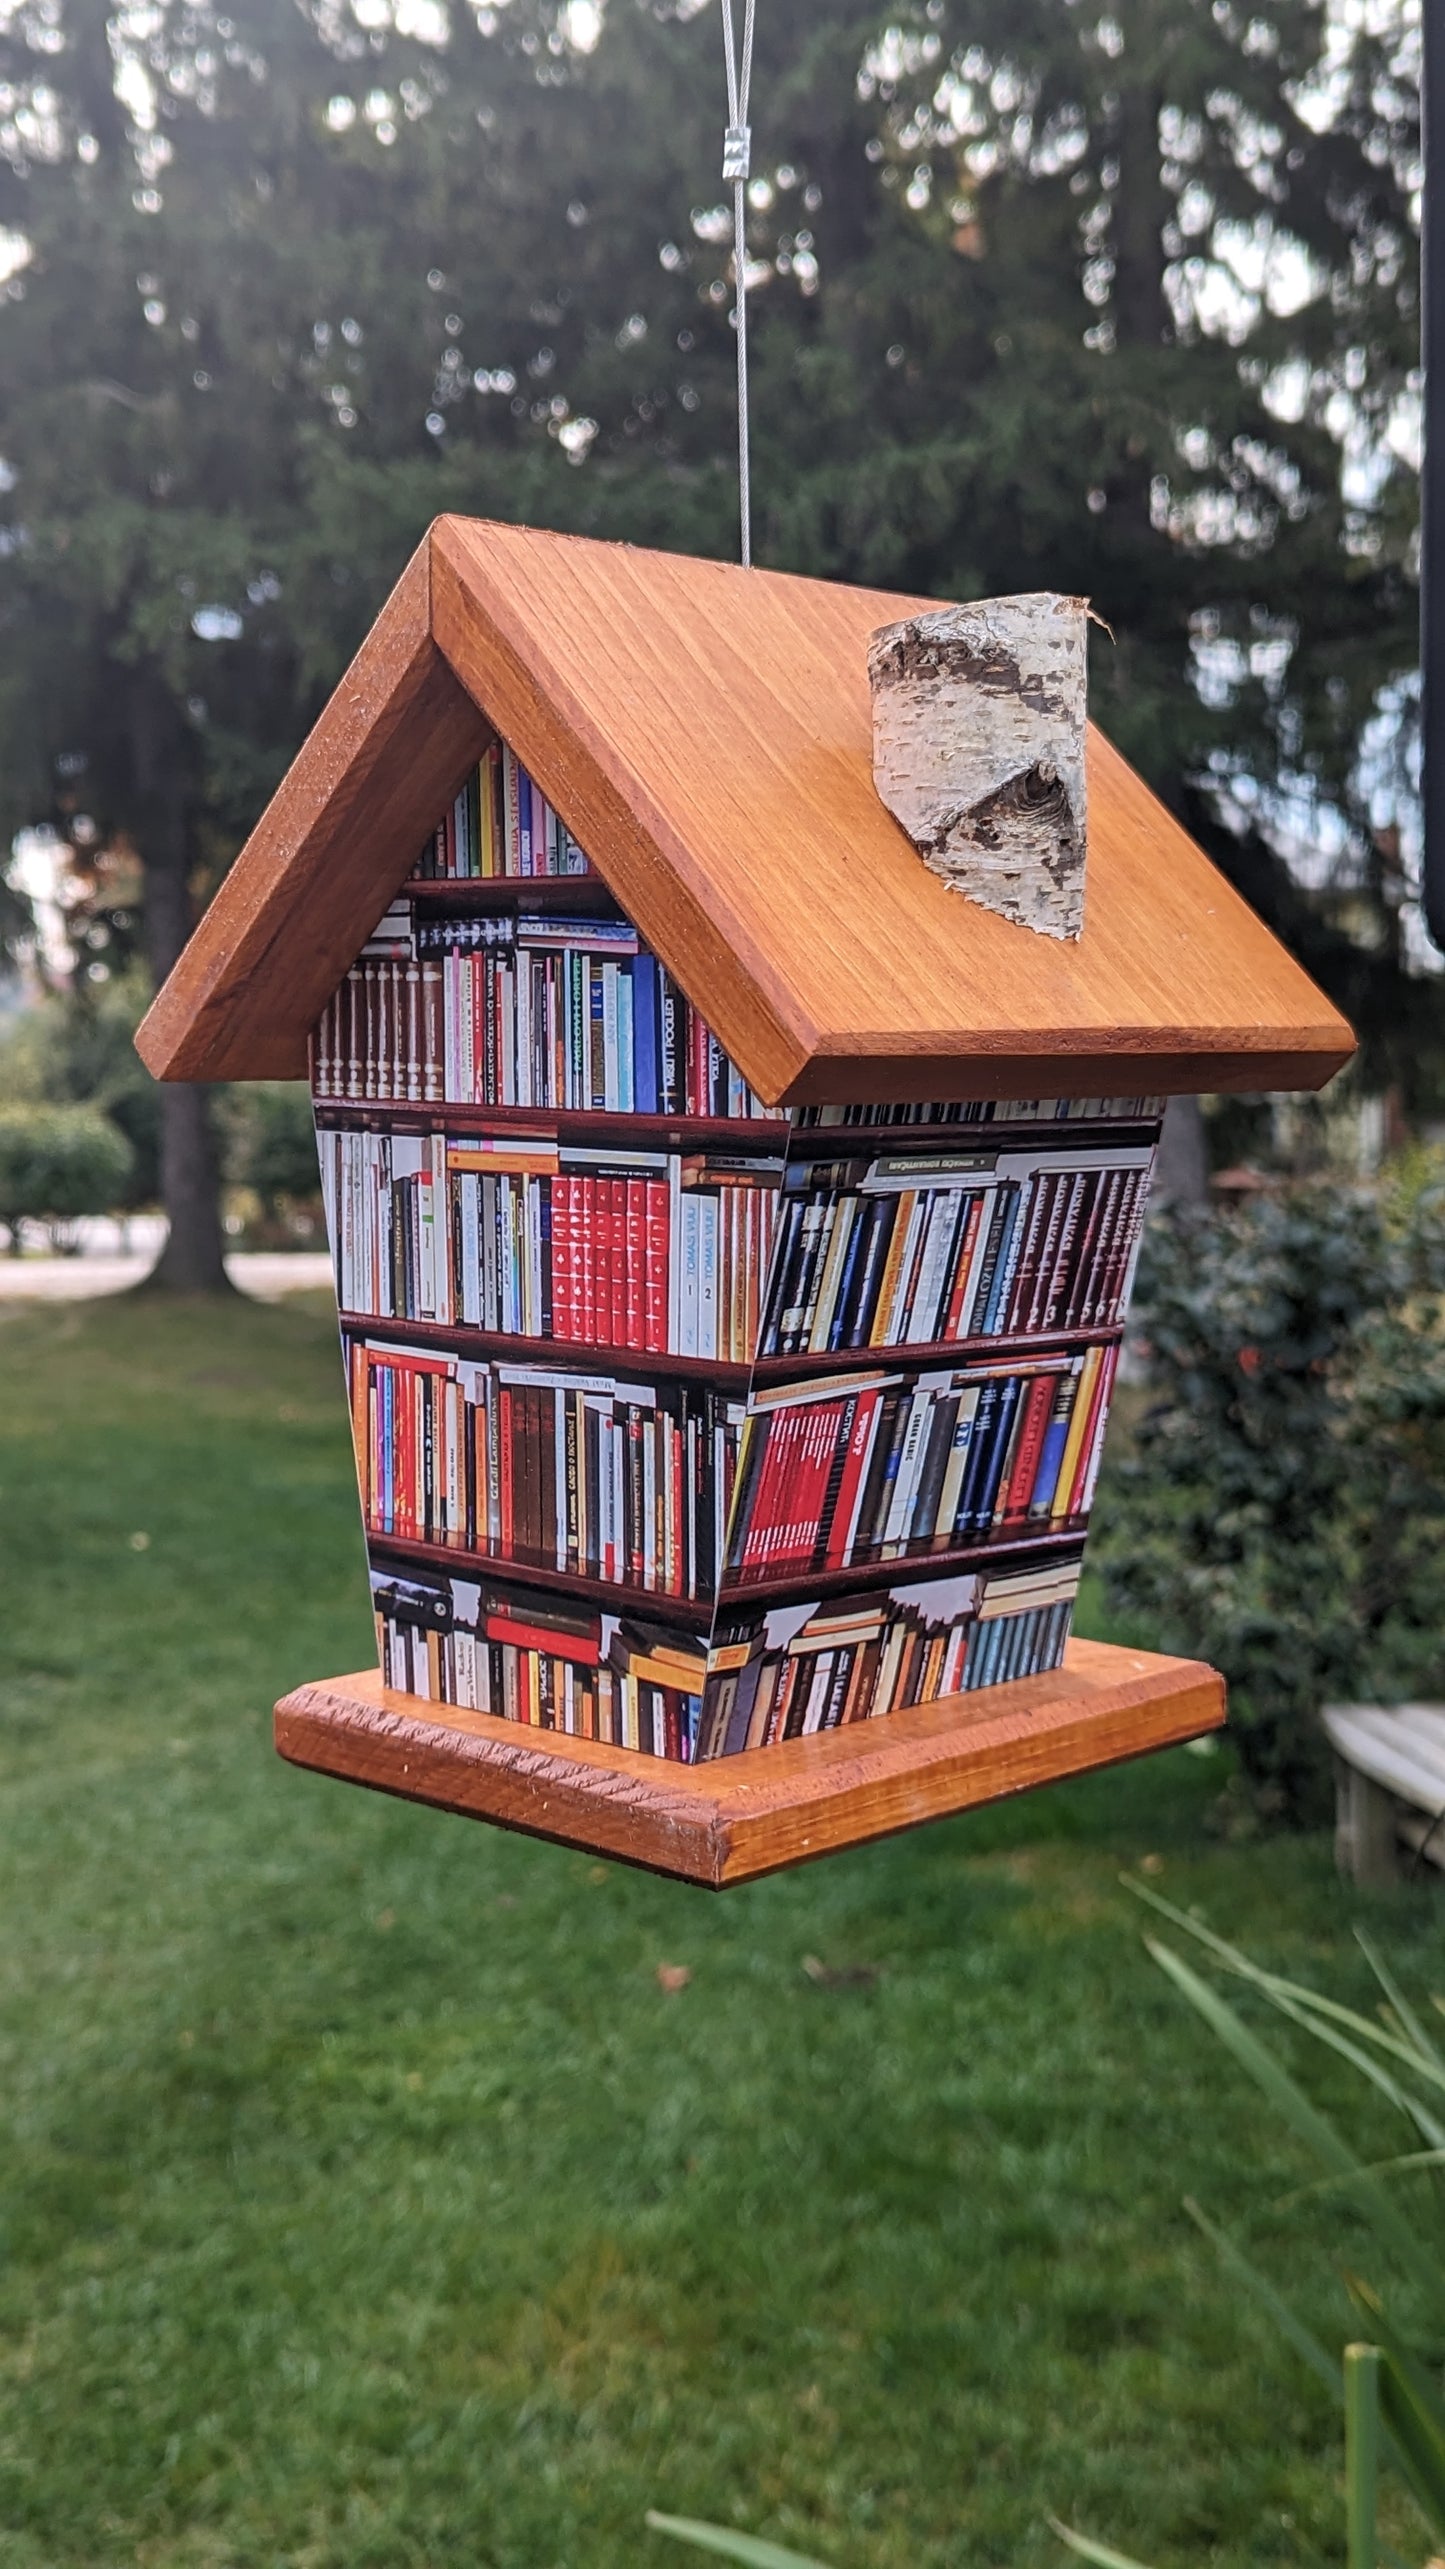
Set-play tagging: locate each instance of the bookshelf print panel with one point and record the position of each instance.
(557, 1664)
(681, 1424)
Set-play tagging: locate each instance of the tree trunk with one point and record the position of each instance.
(192, 1260)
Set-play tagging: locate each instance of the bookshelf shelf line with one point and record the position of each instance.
(615, 1596)
(583, 895)
(738, 1594)
(906, 1569)
(544, 1123)
(589, 1356)
(681, 1132)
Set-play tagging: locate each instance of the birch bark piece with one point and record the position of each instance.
(978, 750)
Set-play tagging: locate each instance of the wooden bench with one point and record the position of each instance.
(1390, 1779)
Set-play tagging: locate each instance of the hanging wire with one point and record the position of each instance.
(737, 151)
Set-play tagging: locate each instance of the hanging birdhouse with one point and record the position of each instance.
(733, 1197)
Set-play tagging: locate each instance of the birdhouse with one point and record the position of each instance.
(733, 1221)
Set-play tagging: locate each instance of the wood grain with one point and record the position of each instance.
(743, 1816)
(706, 733)
(336, 842)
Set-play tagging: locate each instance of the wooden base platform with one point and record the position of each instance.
(738, 1817)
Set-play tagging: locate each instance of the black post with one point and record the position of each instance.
(1432, 480)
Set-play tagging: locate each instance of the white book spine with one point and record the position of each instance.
(707, 1282)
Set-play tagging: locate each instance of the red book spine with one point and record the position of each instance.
(853, 1462)
(808, 1485)
(635, 1195)
(611, 1294)
(1030, 1445)
(775, 1472)
(657, 1246)
(961, 1265)
(558, 1645)
(1123, 1243)
(576, 1214)
(617, 1269)
(409, 1413)
(504, 1444)
(554, 1252)
(584, 1237)
(600, 1280)
(1092, 1311)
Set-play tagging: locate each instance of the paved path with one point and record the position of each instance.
(265, 1274)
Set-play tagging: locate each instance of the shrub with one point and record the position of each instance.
(58, 1163)
(78, 1049)
(270, 1149)
(1283, 1512)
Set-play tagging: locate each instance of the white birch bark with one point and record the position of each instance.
(978, 750)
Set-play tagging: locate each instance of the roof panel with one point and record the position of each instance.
(705, 732)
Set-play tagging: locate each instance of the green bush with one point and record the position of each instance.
(1284, 1509)
(270, 1149)
(77, 1048)
(58, 1163)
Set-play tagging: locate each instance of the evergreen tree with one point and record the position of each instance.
(1120, 301)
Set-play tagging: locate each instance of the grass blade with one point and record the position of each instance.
(1430, 2131)
(1088, 2549)
(1421, 2058)
(1411, 2406)
(1305, 2119)
(748, 2547)
(1414, 2025)
(1407, 2163)
(1362, 2456)
(1306, 2346)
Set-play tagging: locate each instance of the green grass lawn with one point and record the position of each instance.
(365, 2199)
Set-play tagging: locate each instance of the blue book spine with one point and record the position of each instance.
(854, 1251)
(980, 1446)
(644, 1034)
(1003, 1274)
(594, 1086)
(1046, 1478)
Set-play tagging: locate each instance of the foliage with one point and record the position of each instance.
(270, 1148)
(1125, 305)
(1284, 1509)
(76, 1047)
(1396, 2057)
(57, 1163)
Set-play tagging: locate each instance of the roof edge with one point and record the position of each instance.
(646, 865)
(267, 955)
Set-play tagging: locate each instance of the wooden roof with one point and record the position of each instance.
(705, 733)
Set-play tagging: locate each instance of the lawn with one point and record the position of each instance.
(366, 2198)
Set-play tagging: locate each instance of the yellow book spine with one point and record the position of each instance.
(902, 1220)
(1078, 1424)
